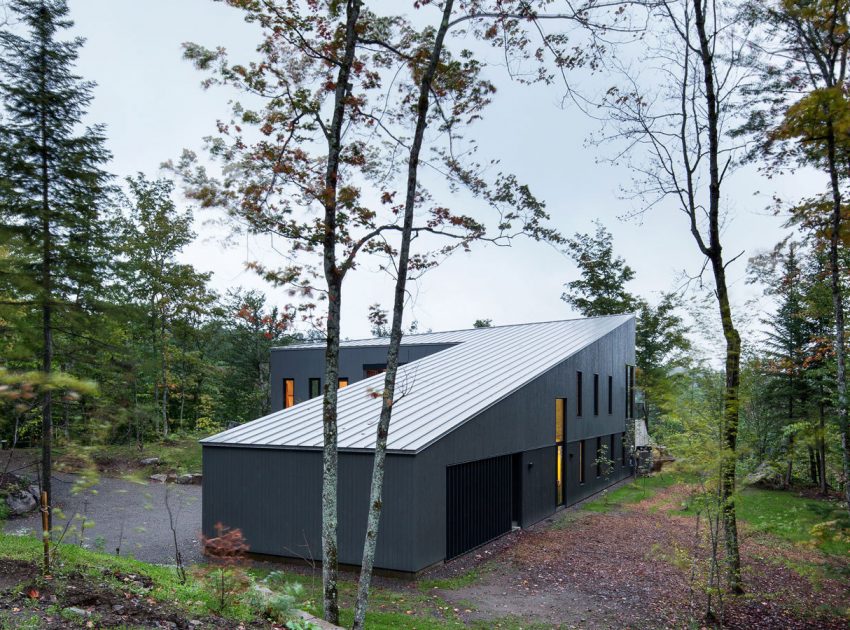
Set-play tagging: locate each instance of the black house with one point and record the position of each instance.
(495, 428)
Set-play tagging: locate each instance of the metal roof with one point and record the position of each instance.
(419, 339)
(435, 394)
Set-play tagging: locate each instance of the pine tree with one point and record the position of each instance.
(53, 181)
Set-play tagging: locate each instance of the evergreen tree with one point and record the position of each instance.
(601, 290)
(53, 182)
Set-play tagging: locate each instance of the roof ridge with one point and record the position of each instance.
(302, 344)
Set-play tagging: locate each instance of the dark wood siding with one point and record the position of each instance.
(479, 503)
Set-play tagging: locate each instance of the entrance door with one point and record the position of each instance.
(479, 504)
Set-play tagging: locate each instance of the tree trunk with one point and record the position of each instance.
(47, 307)
(388, 398)
(714, 252)
(334, 277)
(838, 310)
(821, 454)
(813, 466)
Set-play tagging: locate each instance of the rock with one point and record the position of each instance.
(20, 502)
(766, 475)
(117, 608)
(35, 491)
(78, 611)
(149, 461)
(190, 479)
(159, 478)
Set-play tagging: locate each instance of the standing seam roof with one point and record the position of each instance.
(435, 394)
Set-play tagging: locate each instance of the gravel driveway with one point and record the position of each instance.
(126, 514)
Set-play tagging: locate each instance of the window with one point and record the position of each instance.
(610, 395)
(630, 391)
(288, 392)
(315, 387)
(595, 394)
(343, 382)
(581, 461)
(578, 393)
(560, 406)
(610, 457)
(373, 369)
(599, 456)
(623, 448)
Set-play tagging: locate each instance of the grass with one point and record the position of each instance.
(634, 492)
(452, 583)
(814, 522)
(181, 454)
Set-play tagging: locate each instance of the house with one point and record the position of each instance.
(492, 428)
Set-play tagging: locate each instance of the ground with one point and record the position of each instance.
(125, 514)
(563, 573)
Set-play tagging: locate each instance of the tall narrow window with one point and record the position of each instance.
(623, 448)
(581, 461)
(288, 392)
(343, 382)
(610, 459)
(599, 456)
(610, 395)
(315, 387)
(630, 391)
(560, 406)
(595, 394)
(578, 393)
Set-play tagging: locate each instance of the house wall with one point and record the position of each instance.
(274, 497)
(302, 364)
(524, 422)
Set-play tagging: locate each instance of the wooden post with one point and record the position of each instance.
(45, 530)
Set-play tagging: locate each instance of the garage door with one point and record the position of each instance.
(478, 503)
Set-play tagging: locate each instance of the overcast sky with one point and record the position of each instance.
(153, 106)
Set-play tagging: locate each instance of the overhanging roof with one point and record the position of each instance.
(435, 394)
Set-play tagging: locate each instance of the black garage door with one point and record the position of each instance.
(478, 503)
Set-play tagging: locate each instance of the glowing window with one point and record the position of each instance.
(343, 382)
(288, 392)
(560, 475)
(559, 420)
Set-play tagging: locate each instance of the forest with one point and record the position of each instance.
(345, 119)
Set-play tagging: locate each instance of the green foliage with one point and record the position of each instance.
(601, 288)
(819, 523)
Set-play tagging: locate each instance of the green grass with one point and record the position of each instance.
(452, 583)
(634, 492)
(796, 519)
(181, 454)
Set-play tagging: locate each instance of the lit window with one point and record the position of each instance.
(315, 387)
(560, 406)
(559, 420)
(343, 382)
(560, 474)
(288, 392)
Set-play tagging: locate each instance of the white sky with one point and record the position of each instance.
(153, 106)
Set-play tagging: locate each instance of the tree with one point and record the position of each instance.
(161, 289)
(671, 112)
(812, 40)
(482, 323)
(601, 290)
(54, 185)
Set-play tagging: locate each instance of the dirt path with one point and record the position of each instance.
(631, 568)
(126, 515)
